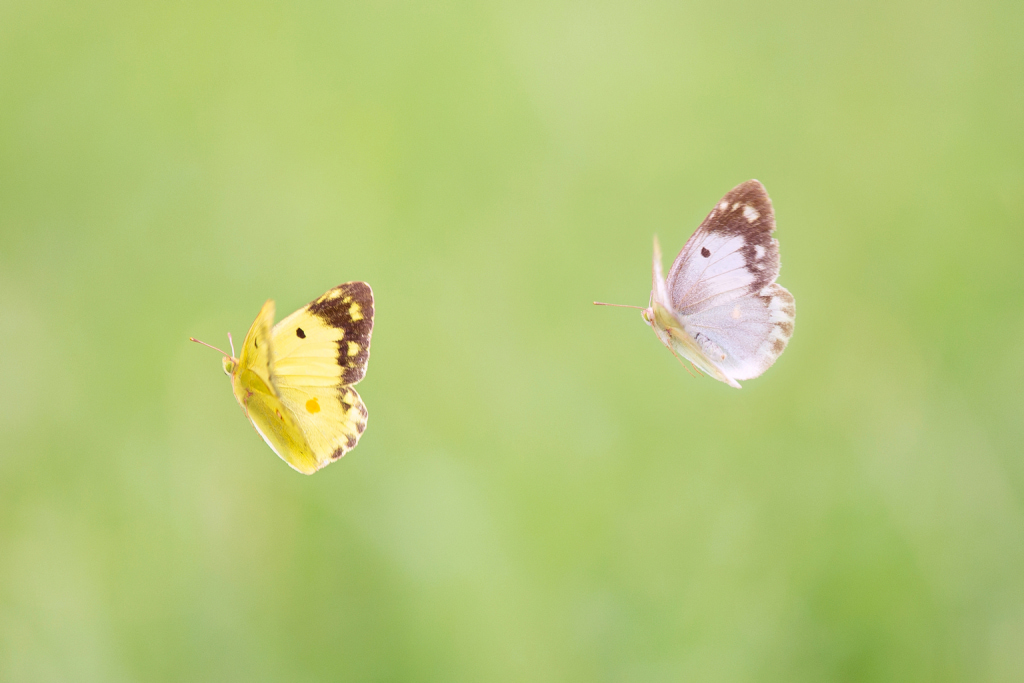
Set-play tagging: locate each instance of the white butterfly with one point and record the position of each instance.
(720, 307)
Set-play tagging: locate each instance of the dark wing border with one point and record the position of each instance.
(349, 307)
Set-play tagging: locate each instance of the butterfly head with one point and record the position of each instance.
(229, 363)
(648, 313)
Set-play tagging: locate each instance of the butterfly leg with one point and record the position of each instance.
(669, 347)
(686, 368)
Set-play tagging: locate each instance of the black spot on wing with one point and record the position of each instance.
(704, 252)
(349, 307)
(299, 333)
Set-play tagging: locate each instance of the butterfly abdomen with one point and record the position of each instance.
(710, 348)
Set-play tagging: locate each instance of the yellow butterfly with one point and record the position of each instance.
(294, 381)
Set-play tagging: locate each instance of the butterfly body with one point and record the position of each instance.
(720, 307)
(294, 379)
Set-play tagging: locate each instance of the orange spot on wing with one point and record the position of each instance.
(312, 406)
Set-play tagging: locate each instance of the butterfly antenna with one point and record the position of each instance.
(230, 341)
(210, 345)
(601, 303)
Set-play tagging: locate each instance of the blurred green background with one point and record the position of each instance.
(542, 494)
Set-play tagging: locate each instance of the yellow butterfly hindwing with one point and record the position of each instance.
(295, 381)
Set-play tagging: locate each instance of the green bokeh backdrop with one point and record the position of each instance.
(542, 494)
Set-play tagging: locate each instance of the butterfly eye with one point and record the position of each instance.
(704, 252)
